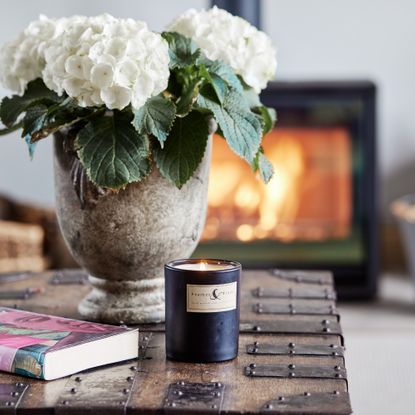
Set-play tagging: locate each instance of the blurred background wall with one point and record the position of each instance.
(322, 39)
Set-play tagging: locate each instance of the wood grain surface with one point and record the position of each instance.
(140, 386)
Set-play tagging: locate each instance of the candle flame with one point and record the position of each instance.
(203, 266)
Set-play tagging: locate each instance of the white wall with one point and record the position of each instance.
(319, 39)
(370, 39)
(34, 180)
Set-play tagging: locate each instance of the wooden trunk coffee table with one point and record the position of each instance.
(291, 357)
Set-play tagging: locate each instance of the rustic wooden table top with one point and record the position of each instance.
(290, 361)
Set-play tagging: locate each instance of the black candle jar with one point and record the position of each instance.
(202, 310)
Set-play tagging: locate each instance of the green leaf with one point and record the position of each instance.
(188, 97)
(5, 131)
(155, 117)
(264, 166)
(217, 83)
(112, 151)
(34, 119)
(30, 146)
(182, 50)
(241, 128)
(268, 117)
(224, 71)
(184, 148)
(36, 91)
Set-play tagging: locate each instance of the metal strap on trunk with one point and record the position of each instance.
(295, 349)
(307, 277)
(328, 326)
(324, 403)
(296, 371)
(69, 276)
(295, 308)
(106, 388)
(11, 395)
(194, 397)
(317, 293)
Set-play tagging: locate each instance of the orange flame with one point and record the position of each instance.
(308, 198)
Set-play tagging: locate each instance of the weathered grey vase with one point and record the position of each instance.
(124, 239)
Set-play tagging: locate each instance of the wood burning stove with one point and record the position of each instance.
(319, 210)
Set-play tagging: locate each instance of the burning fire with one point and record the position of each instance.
(308, 198)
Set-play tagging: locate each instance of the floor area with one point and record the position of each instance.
(380, 343)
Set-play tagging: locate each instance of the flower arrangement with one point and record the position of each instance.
(133, 99)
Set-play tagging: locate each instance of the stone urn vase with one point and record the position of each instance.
(124, 239)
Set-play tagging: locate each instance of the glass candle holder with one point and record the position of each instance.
(202, 310)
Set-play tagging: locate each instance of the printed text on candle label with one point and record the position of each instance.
(211, 298)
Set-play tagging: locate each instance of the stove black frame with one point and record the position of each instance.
(352, 281)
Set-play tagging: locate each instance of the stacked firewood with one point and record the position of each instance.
(30, 239)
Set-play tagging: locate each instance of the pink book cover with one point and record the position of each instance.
(26, 337)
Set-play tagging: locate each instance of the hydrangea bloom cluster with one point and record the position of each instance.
(96, 60)
(232, 39)
(22, 60)
(104, 60)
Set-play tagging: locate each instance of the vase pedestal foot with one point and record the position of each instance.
(130, 302)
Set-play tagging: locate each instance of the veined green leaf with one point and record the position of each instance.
(155, 117)
(241, 128)
(268, 117)
(36, 92)
(182, 50)
(112, 151)
(184, 148)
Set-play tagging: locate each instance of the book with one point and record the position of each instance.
(48, 347)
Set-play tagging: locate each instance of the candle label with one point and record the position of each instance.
(211, 298)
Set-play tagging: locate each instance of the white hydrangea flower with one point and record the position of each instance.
(21, 60)
(104, 60)
(222, 36)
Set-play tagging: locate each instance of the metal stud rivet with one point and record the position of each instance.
(217, 394)
(78, 379)
(256, 343)
(291, 366)
(268, 406)
(65, 402)
(337, 368)
(181, 383)
(252, 365)
(14, 393)
(281, 398)
(307, 394)
(291, 375)
(257, 328)
(133, 367)
(336, 393)
(326, 329)
(338, 375)
(173, 404)
(326, 322)
(255, 350)
(218, 384)
(73, 390)
(291, 345)
(130, 379)
(292, 352)
(145, 338)
(125, 390)
(9, 403)
(19, 384)
(214, 406)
